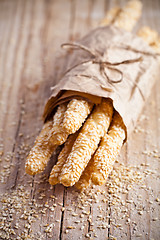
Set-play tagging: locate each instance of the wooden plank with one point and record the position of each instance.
(45, 217)
(137, 221)
(34, 87)
(8, 124)
(30, 34)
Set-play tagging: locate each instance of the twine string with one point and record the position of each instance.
(95, 58)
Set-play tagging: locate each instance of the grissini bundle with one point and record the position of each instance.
(124, 18)
(69, 118)
(81, 99)
(119, 16)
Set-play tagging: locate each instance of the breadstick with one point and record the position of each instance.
(41, 151)
(125, 17)
(108, 150)
(129, 15)
(110, 16)
(86, 143)
(43, 147)
(85, 178)
(76, 113)
(56, 170)
(58, 135)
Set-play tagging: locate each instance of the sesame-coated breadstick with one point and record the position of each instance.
(58, 135)
(41, 151)
(56, 170)
(76, 113)
(85, 178)
(110, 16)
(108, 150)
(125, 17)
(43, 147)
(86, 143)
(129, 15)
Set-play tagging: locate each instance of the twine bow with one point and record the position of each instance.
(103, 65)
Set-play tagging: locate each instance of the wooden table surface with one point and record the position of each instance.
(128, 207)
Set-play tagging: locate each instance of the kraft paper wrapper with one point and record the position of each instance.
(129, 95)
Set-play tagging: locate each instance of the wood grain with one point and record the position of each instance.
(30, 63)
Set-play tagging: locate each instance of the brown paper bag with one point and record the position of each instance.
(111, 63)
